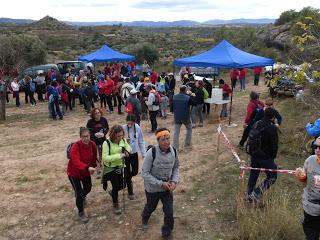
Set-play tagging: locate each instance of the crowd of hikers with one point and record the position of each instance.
(113, 152)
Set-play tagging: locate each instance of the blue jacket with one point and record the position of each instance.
(181, 107)
(314, 130)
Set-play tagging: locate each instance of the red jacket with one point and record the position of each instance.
(242, 74)
(82, 159)
(226, 90)
(234, 73)
(108, 87)
(250, 109)
(257, 70)
(154, 77)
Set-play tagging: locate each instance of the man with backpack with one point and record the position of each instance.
(160, 172)
(263, 147)
(254, 114)
(153, 102)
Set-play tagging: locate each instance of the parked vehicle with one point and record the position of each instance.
(74, 66)
(45, 68)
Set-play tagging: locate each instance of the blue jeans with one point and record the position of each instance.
(55, 108)
(254, 174)
(17, 98)
(242, 84)
(151, 205)
(177, 127)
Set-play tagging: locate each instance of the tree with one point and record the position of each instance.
(143, 52)
(286, 17)
(19, 51)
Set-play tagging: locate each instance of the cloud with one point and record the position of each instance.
(178, 5)
(85, 5)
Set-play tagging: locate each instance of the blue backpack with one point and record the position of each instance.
(55, 91)
(32, 86)
(257, 114)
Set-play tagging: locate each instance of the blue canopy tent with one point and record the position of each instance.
(106, 54)
(224, 55)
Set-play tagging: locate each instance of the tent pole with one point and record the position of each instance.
(230, 108)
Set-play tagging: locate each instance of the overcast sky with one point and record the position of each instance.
(152, 10)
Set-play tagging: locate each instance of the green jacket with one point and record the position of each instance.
(114, 159)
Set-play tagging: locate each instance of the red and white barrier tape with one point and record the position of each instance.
(268, 170)
(244, 167)
(230, 146)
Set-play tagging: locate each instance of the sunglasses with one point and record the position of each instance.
(316, 146)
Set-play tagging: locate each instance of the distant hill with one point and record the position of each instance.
(15, 21)
(50, 23)
(47, 21)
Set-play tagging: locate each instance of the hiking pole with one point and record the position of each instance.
(124, 185)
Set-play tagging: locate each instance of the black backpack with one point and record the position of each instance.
(257, 114)
(153, 149)
(254, 144)
(68, 152)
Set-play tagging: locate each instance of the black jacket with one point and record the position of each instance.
(269, 138)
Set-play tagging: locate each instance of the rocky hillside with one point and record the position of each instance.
(279, 37)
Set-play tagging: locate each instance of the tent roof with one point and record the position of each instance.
(224, 55)
(106, 54)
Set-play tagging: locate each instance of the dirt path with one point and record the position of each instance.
(37, 200)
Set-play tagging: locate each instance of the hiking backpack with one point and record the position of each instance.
(157, 100)
(153, 149)
(254, 143)
(129, 108)
(257, 114)
(32, 86)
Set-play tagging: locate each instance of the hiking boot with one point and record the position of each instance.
(200, 125)
(82, 217)
(241, 147)
(167, 237)
(144, 224)
(253, 198)
(116, 209)
(131, 197)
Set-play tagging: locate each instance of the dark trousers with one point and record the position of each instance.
(311, 226)
(254, 174)
(245, 135)
(256, 79)
(81, 188)
(167, 203)
(103, 101)
(17, 98)
(131, 170)
(55, 108)
(40, 91)
(89, 104)
(233, 83)
(117, 183)
(72, 102)
(120, 103)
(7, 96)
(115, 100)
(153, 120)
(26, 96)
(206, 108)
(109, 102)
(32, 100)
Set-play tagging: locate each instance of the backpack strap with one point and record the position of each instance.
(154, 152)
(78, 144)
(109, 145)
